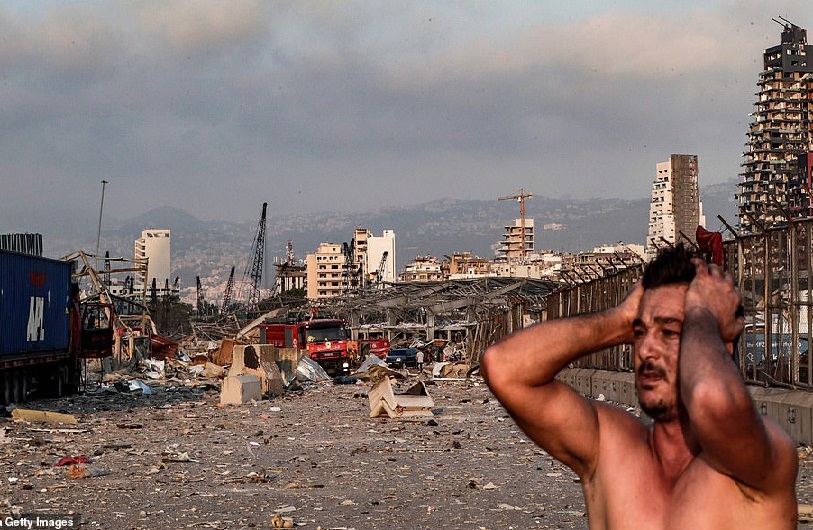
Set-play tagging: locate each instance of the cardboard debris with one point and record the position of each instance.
(451, 370)
(213, 371)
(43, 415)
(239, 389)
(415, 402)
(222, 356)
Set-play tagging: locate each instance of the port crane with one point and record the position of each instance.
(381, 266)
(253, 274)
(227, 292)
(521, 198)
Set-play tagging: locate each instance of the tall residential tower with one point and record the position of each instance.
(154, 245)
(675, 206)
(779, 135)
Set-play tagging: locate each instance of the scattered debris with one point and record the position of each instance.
(806, 513)
(83, 471)
(69, 460)
(47, 416)
(309, 370)
(414, 402)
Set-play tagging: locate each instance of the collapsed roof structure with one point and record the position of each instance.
(477, 311)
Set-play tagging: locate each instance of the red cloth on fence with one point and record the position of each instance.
(711, 245)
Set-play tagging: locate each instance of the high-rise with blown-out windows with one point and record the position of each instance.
(775, 177)
(675, 208)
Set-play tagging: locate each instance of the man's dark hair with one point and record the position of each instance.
(672, 265)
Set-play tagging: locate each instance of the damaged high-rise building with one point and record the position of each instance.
(776, 169)
(675, 206)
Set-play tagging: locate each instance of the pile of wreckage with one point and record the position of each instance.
(249, 372)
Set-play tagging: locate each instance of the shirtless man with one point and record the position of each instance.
(708, 461)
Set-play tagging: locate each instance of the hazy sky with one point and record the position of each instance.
(219, 106)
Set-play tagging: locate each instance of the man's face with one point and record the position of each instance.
(657, 345)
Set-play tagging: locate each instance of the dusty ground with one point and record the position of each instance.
(177, 460)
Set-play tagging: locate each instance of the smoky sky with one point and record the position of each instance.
(216, 107)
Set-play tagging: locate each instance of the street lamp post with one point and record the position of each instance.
(99, 229)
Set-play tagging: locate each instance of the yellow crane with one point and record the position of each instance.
(520, 197)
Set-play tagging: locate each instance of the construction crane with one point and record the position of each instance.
(254, 270)
(201, 303)
(381, 264)
(227, 292)
(520, 197)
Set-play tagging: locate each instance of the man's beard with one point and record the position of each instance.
(660, 410)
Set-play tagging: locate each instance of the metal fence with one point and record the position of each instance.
(772, 270)
(594, 296)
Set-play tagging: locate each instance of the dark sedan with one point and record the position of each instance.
(400, 357)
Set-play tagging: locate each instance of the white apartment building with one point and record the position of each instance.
(155, 246)
(675, 205)
(423, 269)
(381, 257)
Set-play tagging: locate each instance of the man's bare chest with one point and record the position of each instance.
(637, 494)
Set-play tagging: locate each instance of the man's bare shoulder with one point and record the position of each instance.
(616, 420)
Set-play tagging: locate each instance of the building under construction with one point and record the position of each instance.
(774, 184)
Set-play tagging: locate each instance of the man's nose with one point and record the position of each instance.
(648, 348)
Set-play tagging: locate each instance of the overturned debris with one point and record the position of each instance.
(415, 402)
(374, 369)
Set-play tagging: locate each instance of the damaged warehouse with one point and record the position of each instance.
(474, 313)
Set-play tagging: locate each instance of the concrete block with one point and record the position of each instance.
(602, 386)
(259, 360)
(584, 381)
(796, 416)
(239, 389)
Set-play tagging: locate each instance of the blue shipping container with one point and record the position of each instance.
(34, 298)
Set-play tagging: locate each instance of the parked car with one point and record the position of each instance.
(400, 357)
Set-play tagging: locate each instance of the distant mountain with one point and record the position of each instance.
(210, 248)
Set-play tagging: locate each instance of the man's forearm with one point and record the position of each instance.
(535, 355)
(711, 387)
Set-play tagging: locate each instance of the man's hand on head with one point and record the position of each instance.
(713, 290)
(630, 307)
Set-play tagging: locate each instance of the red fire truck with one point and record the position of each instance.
(325, 339)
